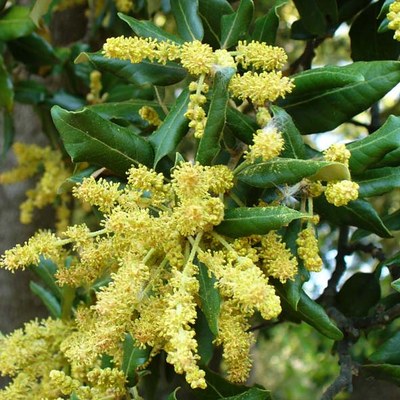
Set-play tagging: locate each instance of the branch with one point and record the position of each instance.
(380, 318)
(306, 57)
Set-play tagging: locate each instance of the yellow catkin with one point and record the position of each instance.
(308, 249)
(394, 18)
(341, 193)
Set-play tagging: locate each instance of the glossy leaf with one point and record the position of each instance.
(187, 19)
(8, 133)
(30, 92)
(33, 50)
(172, 396)
(364, 29)
(241, 125)
(358, 294)
(357, 213)
(210, 12)
(311, 312)
(148, 29)
(47, 299)
(141, 73)
(382, 148)
(233, 26)
(133, 357)
(245, 221)
(204, 338)
(88, 137)
(265, 27)
(388, 352)
(294, 144)
(65, 100)
(323, 98)
(288, 171)
(6, 87)
(349, 8)
(46, 270)
(209, 145)
(386, 372)
(15, 23)
(210, 298)
(170, 133)
(374, 182)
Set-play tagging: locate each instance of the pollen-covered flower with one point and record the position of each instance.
(124, 5)
(394, 18)
(150, 115)
(267, 144)
(197, 57)
(308, 249)
(337, 153)
(189, 181)
(341, 193)
(260, 87)
(260, 56)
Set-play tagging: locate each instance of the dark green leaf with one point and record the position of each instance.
(265, 27)
(88, 137)
(8, 133)
(210, 12)
(253, 393)
(386, 372)
(15, 23)
(133, 357)
(349, 8)
(245, 221)
(358, 294)
(65, 100)
(47, 298)
(77, 177)
(187, 19)
(241, 125)
(374, 182)
(357, 213)
(170, 133)
(385, 8)
(30, 92)
(388, 352)
(381, 46)
(204, 338)
(323, 98)
(209, 145)
(311, 312)
(210, 298)
(288, 171)
(142, 73)
(235, 25)
(294, 144)
(6, 87)
(172, 396)
(148, 29)
(46, 270)
(33, 50)
(379, 149)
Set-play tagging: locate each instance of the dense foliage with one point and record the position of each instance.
(196, 191)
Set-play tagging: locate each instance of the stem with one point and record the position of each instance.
(236, 199)
(222, 241)
(195, 247)
(160, 101)
(63, 242)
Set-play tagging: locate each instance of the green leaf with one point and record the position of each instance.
(385, 8)
(166, 138)
(349, 8)
(210, 298)
(15, 23)
(187, 19)
(359, 213)
(33, 50)
(46, 270)
(8, 133)
(323, 98)
(235, 25)
(387, 372)
(142, 73)
(315, 15)
(374, 182)
(210, 12)
(6, 87)
(267, 174)
(47, 298)
(172, 396)
(76, 177)
(148, 29)
(73, 397)
(245, 221)
(358, 294)
(253, 393)
(30, 92)
(265, 27)
(294, 144)
(388, 352)
(241, 125)
(382, 148)
(381, 46)
(65, 100)
(88, 137)
(311, 312)
(204, 338)
(209, 145)
(39, 9)
(133, 357)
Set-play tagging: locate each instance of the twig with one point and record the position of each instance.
(369, 248)
(380, 318)
(305, 60)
